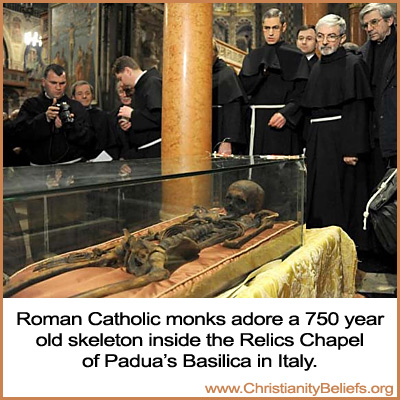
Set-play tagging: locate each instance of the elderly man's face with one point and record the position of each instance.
(84, 95)
(376, 27)
(125, 99)
(329, 39)
(273, 30)
(306, 41)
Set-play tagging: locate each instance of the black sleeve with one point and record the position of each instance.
(81, 132)
(31, 125)
(148, 117)
(233, 122)
(292, 111)
(355, 134)
(251, 83)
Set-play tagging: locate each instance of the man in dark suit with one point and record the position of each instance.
(380, 53)
(306, 41)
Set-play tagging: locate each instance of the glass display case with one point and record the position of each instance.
(61, 220)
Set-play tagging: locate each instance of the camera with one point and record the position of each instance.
(65, 113)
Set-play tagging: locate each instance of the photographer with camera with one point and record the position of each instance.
(53, 128)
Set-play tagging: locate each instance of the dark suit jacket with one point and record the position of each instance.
(387, 91)
(312, 61)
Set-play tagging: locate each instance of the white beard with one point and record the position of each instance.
(326, 51)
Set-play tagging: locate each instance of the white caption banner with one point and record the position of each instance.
(346, 343)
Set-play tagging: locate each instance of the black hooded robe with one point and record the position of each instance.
(43, 142)
(228, 99)
(336, 192)
(146, 117)
(275, 75)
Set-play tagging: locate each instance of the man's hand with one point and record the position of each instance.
(225, 148)
(350, 160)
(52, 111)
(277, 121)
(124, 124)
(58, 122)
(125, 112)
(125, 170)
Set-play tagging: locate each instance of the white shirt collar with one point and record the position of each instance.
(137, 79)
(46, 95)
(310, 56)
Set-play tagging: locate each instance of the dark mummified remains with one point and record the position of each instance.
(151, 258)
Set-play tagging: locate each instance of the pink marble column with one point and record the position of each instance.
(187, 104)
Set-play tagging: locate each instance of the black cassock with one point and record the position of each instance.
(275, 76)
(229, 107)
(43, 142)
(105, 137)
(338, 90)
(146, 117)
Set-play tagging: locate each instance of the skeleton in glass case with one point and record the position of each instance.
(151, 257)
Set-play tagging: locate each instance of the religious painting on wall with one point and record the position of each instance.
(33, 64)
(74, 40)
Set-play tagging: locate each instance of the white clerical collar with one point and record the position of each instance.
(137, 79)
(46, 95)
(310, 56)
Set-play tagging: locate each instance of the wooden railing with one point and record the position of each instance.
(231, 54)
(13, 77)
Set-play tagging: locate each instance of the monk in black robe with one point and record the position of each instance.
(146, 116)
(43, 141)
(338, 102)
(274, 77)
(228, 117)
(105, 139)
(48, 138)
(144, 137)
(41, 130)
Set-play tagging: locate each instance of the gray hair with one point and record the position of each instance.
(332, 20)
(385, 10)
(273, 13)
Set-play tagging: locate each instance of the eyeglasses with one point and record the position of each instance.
(330, 37)
(373, 23)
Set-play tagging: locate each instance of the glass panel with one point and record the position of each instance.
(55, 209)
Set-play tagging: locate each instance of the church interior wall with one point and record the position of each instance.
(238, 24)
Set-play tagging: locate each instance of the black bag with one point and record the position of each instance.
(382, 208)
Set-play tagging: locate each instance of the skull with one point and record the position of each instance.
(244, 197)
